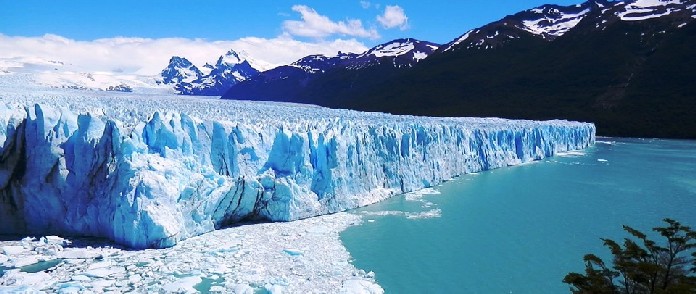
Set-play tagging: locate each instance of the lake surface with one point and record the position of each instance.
(522, 229)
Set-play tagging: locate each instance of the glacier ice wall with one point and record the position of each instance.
(149, 174)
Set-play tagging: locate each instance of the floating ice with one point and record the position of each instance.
(418, 195)
(293, 252)
(359, 286)
(605, 142)
(433, 213)
(204, 263)
(13, 250)
(571, 154)
(183, 285)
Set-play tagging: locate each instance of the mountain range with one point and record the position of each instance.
(284, 83)
(288, 83)
(627, 66)
(211, 80)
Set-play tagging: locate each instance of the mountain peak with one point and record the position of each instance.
(229, 69)
(180, 70)
(229, 58)
(547, 22)
(646, 9)
(400, 53)
(400, 47)
(179, 61)
(552, 21)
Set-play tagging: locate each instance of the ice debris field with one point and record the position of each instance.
(149, 171)
(305, 256)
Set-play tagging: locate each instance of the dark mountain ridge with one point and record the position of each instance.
(627, 66)
(288, 83)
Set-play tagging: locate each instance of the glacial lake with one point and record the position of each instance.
(522, 229)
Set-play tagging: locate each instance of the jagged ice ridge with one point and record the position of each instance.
(152, 171)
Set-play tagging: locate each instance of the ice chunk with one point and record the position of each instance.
(183, 285)
(71, 287)
(38, 280)
(433, 213)
(55, 240)
(13, 249)
(359, 286)
(239, 289)
(81, 278)
(104, 270)
(24, 260)
(274, 289)
(79, 254)
(292, 252)
(19, 290)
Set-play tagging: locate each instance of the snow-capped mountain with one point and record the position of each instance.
(549, 22)
(647, 9)
(399, 53)
(180, 70)
(285, 83)
(321, 63)
(211, 80)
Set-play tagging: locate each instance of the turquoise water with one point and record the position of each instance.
(521, 229)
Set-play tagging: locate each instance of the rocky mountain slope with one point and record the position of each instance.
(212, 80)
(287, 83)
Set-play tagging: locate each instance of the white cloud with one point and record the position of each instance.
(149, 56)
(369, 5)
(315, 25)
(394, 16)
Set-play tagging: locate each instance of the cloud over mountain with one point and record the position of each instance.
(148, 56)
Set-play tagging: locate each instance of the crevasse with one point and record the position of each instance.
(149, 181)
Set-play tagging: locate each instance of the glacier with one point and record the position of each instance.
(149, 171)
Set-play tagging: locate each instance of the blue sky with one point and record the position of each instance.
(311, 26)
(437, 21)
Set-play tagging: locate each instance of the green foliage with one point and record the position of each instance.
(641, 266)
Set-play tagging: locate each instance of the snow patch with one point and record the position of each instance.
(418, 56)
(647, 9)
(553, 25)
(459, 40)
(394, 49)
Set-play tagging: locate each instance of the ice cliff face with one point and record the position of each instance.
(151, 172)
